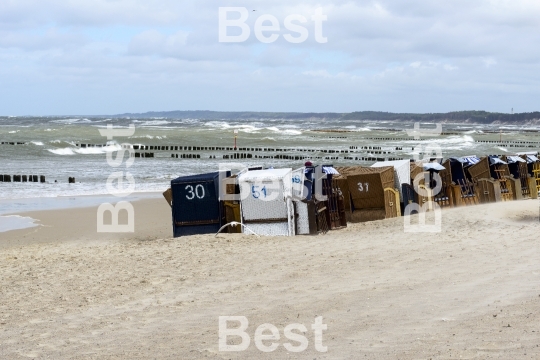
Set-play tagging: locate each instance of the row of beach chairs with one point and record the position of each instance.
(283, 201)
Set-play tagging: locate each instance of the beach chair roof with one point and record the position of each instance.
(433, 166)
(265, 174)
(494, 160)
(195, 178)
(330, 170)
(470, 160)
(512, 159)
(457, 159)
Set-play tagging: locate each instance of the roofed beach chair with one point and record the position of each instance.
(370, 199)
(462, 187)
(196, 207)
(266, 201)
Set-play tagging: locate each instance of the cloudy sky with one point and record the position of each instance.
(114, 56)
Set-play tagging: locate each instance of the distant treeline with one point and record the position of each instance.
(482, 117)
(232, 115)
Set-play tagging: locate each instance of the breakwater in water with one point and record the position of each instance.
(63, 148)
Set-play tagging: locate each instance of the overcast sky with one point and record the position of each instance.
(114, 56)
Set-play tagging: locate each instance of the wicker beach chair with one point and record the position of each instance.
(370, 199)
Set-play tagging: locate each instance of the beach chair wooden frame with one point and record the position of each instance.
(343, 188)
(488, 191)
(536, 173)
(425, 196)
(367, 187)
(444, 197)
(519, 170)
(467, 192)
(480, 170)
(506, 188)
(331, 190)
(392, 203)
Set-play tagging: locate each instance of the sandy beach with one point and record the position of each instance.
(470, 292)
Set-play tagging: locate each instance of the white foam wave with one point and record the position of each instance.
(70, 121)
(283, 131)
(64, 151)
(155, 122)
(290, 126)
(85, 151)
(13, 132)
(502, 149)
(38, 143)
(292, 132)
(218, 124)
(142, 137)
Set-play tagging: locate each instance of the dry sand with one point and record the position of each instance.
(470, 292)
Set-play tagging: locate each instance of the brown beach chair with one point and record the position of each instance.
(370, 199)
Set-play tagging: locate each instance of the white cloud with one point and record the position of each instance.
(377, 51)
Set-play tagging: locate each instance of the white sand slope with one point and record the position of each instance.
(470, 292)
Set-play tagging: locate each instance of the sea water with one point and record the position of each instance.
(51, 147)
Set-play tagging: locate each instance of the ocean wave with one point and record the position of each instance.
(155, 123)
(290, 126)
(13, 132)
(283, 131)
(218, 124)
(142, 137)
(502, 149)
(70, 121)
(38, 143)
(291, 132)
(63, 151)
(85, 151)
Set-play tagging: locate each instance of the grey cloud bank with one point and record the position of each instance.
(64, 57)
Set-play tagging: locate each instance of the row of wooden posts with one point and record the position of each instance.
(377, 149)
(29, 178)
(22, 178)
(276, 157)
(499, 142)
